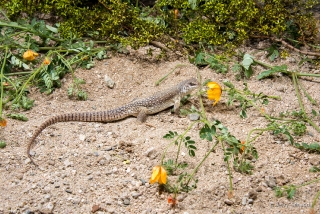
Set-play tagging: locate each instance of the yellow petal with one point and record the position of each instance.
(214, 93)
(29, 55)
(155, 174)
(163, 177)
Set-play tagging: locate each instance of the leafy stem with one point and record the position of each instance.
(1, 80)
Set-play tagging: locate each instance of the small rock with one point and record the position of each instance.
(259, 189)
(82, 137)
(51, 162)
(250, 201)
(47, 208)
(253, 194)
(19, 176)
(315, 161)
(181, 197)
(270, 181)
(108, 148)
(47, 197)
(126, 201)
(95, 208)
(244, 201)
(135, 194)
(67, 163)
(69, 191)
(194, 116)
(109, 81)
(228, 202)
(149, 151)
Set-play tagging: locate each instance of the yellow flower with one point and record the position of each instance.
(30, 55)
(214, 92)
(159, 175)
(46, 61)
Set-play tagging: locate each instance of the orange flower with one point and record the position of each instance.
(3, 122)
(30, 55)
(214, 92)
(171, 200)
(159, 175)
(176, 13)
(242, 147)
(46, 61)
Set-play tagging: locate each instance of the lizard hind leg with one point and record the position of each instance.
(142, 115)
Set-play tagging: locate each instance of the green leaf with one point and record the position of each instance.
(273, 52)
(18, 117)
(52, 29)
(271, 71)
(228, 84)
(192, 153)
(243, 113)
(247, 61)
(206, 132)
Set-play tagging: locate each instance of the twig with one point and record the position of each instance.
(159, 45)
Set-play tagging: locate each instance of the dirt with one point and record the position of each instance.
(106, 167)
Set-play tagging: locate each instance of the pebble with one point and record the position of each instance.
(47, 197)
(82, 137)
(259, 189)
(270, 181)
(149, 151)
(315, 161)
(126, 201)
(135, 194)
(109, 81)
(108, 148)
(47, 208)
(228, 202)
(181, 197)
(244, 201)
(253, 194)
(67, 163)
(250, 201)
(194, 116)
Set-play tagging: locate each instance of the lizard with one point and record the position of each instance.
(138, 108)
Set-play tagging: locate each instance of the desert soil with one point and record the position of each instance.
(84, 167)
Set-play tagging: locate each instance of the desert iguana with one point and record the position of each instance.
(139, 108)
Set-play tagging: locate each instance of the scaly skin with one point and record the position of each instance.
(139, 108)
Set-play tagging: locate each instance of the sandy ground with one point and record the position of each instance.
(83, 166)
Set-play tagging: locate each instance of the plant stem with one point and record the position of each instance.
(296, 87)
(228, 166)
(1, 80)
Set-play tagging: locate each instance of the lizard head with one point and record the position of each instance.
(187, 86)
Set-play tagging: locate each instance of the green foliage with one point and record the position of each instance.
(17, 117)
(215, 62)
(216, 22)
(229, 23)
(114, 20)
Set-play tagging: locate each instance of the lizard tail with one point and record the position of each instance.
(82, 116)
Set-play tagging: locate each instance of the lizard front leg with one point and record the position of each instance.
(176, 105)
